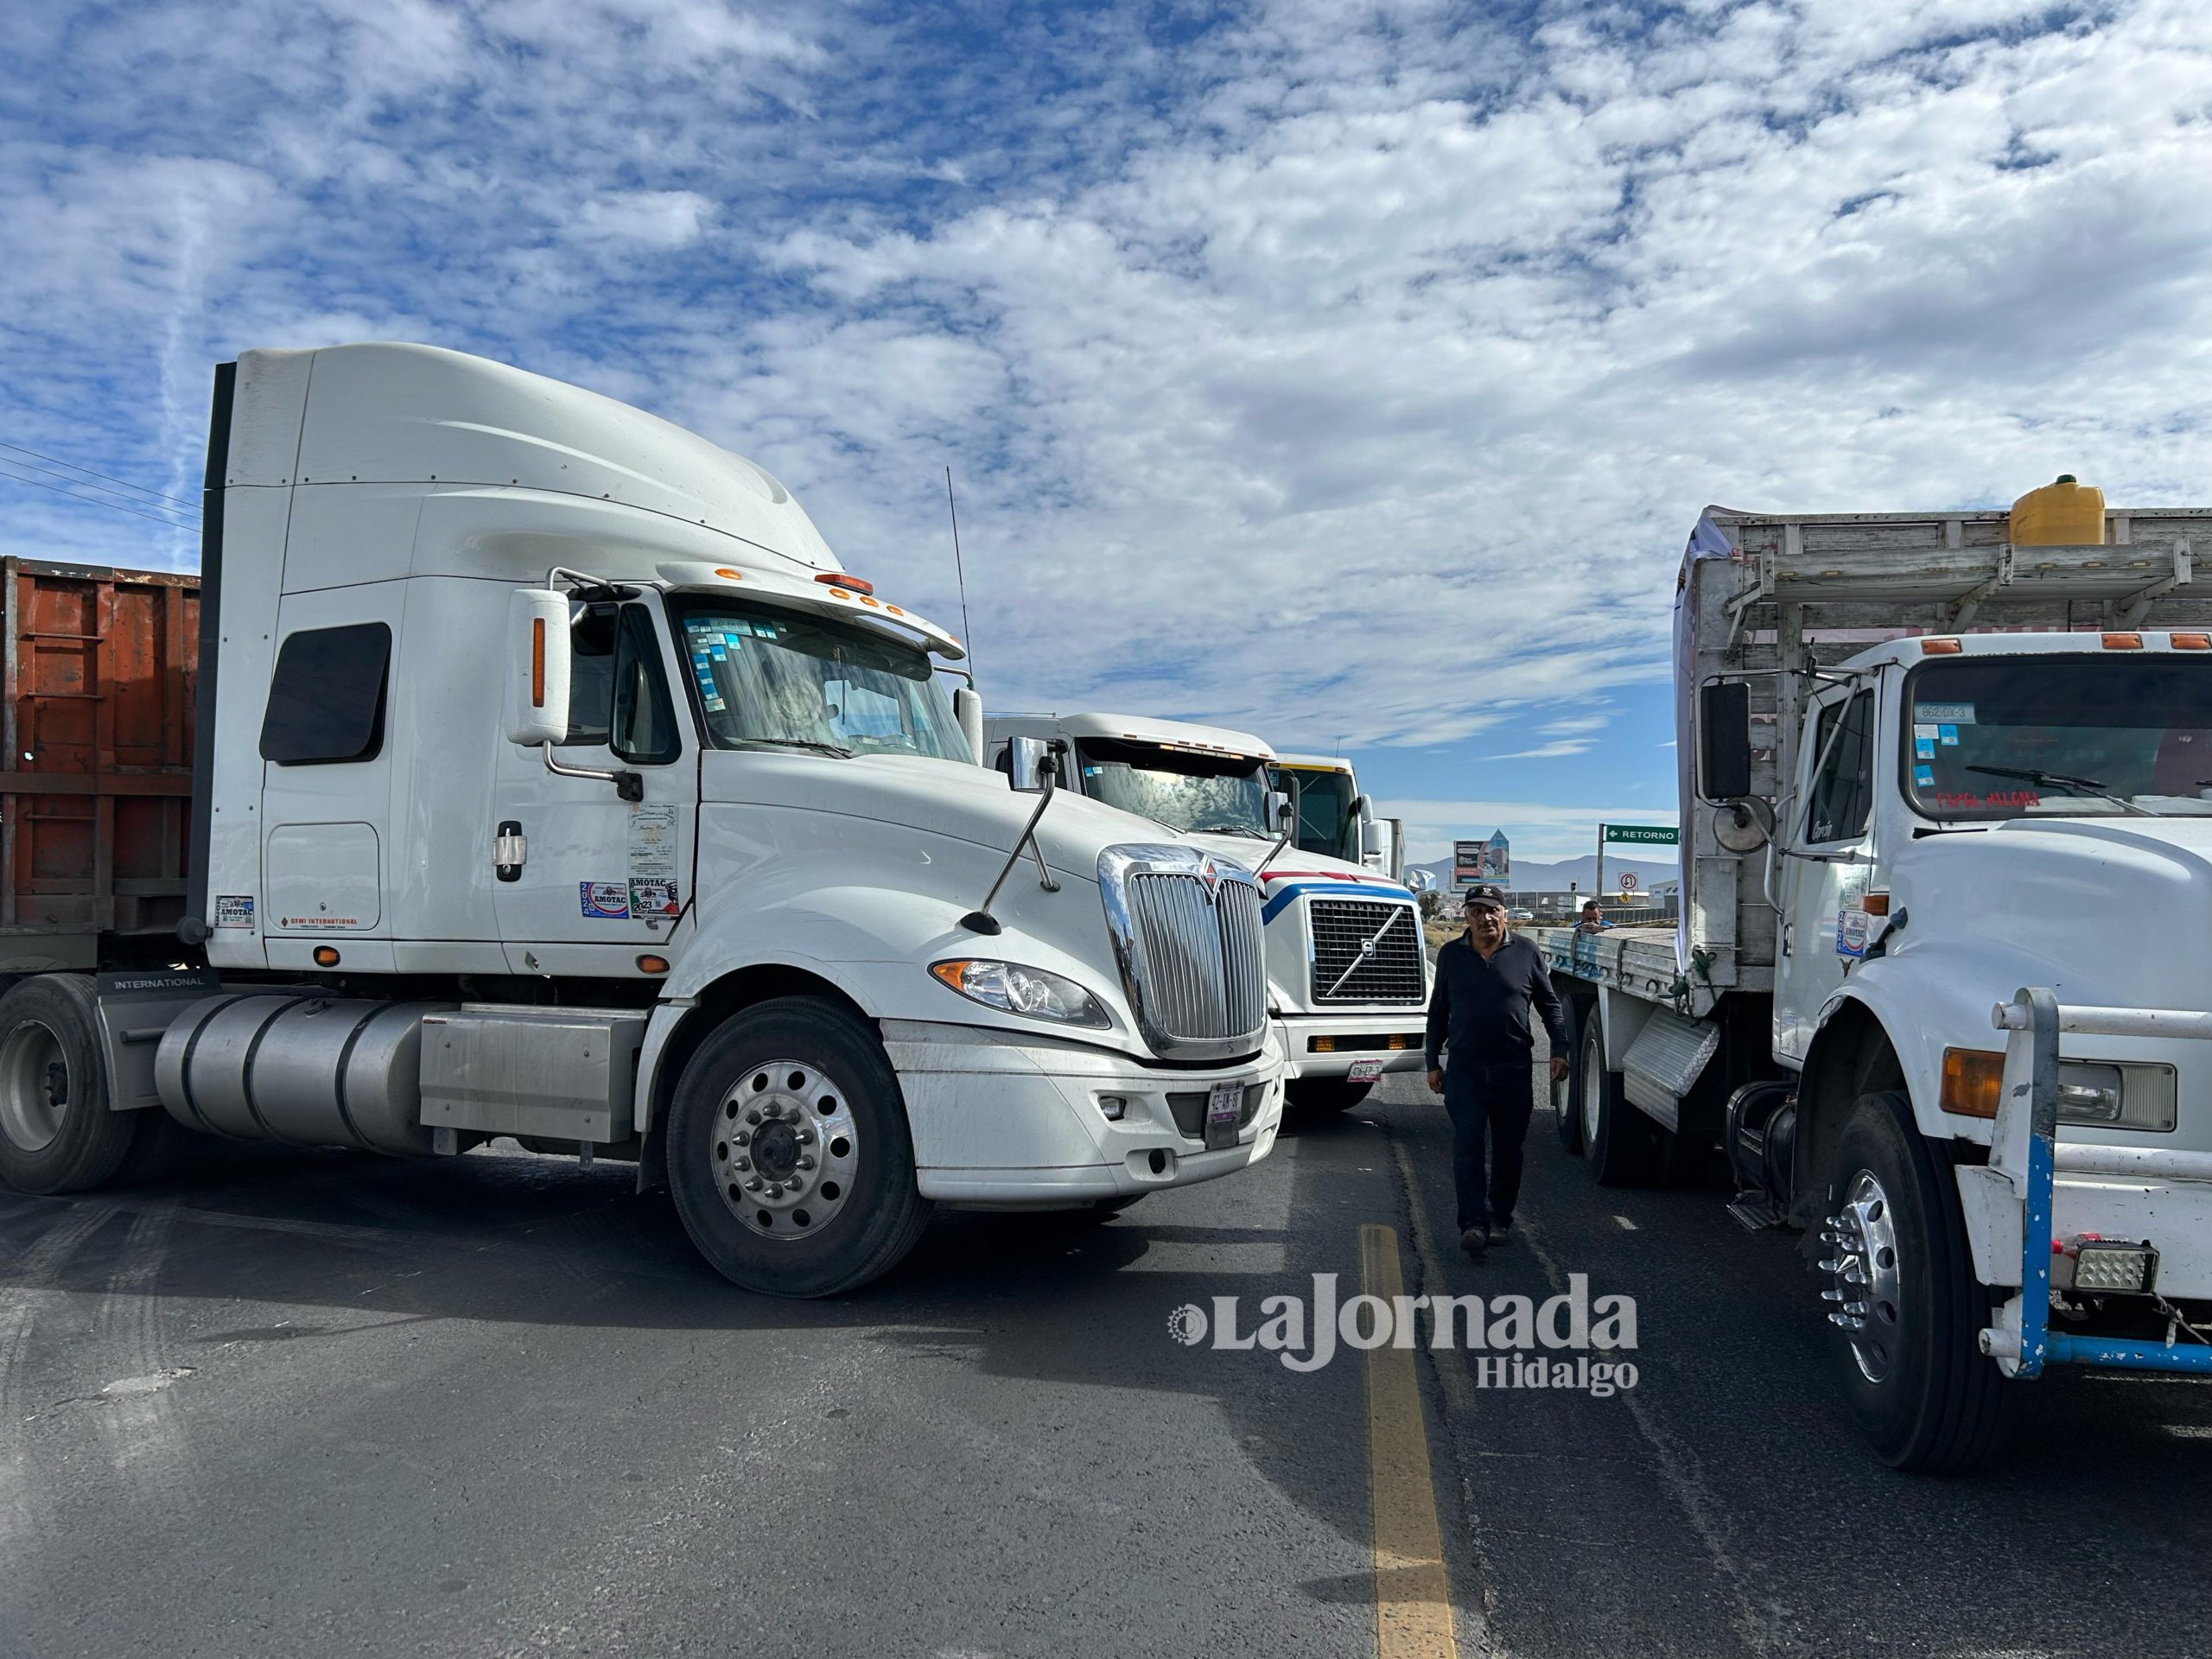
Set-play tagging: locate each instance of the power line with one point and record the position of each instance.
(72, 467)
(69, 479)
(94, 500)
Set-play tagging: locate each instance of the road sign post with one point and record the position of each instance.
(1633, 835)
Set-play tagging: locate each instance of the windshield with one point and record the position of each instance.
(776, 676)
(2003, 737)
(1325, 822)
(1182, 789)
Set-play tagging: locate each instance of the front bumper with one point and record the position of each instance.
(1004, 1121)
(1362, 1034)
(2175, 1216)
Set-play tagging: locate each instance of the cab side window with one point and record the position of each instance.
(1843, 788)
(643, 724)
(617, 694)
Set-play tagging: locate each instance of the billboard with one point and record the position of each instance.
(1474, 861)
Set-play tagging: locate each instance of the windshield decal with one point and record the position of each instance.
(1949, 714)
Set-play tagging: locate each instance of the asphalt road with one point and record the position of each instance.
(308, 1402)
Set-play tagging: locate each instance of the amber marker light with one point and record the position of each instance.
(652, 964)
(731, 575)
(2123, 642)
(2190, 641)
(1973, 1079)
(1940, 647)
(836, 581)
(326, 956)
(538, 662)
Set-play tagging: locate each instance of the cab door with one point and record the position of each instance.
(1831, 861)
(601, 880)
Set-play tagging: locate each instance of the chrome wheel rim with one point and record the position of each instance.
(1865, 1294)
(1593, 1082)
(33, 1071)
(783, 1149)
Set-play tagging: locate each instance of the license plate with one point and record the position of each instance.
(1366, 1071)
(1224, 1105)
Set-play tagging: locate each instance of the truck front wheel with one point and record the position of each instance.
(1903, 1307)
(789, 1154)
(56, 1132)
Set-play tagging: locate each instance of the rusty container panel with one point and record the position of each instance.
(95, 794)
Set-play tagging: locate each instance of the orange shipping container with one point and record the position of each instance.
(95, 798)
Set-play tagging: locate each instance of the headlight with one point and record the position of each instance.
(1012, 988)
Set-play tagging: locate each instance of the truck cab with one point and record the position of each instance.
(553, 780)
(1347, 973)
(1335, 820)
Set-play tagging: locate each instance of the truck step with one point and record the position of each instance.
(1754, 1212)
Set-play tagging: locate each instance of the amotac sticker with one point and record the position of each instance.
(605, 901)
(1946, 714)
(1947, 735)
(1923, 748)
(655, 897)
(1924, 776)
(234, 910)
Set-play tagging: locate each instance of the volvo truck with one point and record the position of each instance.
(1347, 975)
(548, 778)
(1335, 819)
(1945, 809)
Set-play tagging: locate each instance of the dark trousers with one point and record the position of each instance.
(1495, 1100)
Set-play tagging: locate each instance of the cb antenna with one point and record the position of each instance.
(959, 571)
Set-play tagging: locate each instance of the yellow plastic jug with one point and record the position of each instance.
(2064, 514)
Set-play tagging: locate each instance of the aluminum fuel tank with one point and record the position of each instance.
(315, 1070)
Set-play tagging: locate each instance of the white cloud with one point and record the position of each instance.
(1340, 372)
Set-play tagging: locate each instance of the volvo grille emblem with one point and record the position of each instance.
(1367, 947)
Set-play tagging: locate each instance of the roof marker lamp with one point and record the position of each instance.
(832, 579)
(1030, 992)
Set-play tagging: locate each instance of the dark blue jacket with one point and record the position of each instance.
(1479, 1009)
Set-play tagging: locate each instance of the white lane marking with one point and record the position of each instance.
(1626, 1223)
(153, 1385)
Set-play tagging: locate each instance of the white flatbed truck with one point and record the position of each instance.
(1939, 790)
(551, 779)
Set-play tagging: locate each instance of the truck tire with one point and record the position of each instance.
(1323, 1096)
(789, 1153)
(56, 1132)
(1566, 1115)
(1620, 1144)
(1912, 1371)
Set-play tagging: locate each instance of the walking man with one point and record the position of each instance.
(1479, 1047)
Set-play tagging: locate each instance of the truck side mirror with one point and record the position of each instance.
(537, 667)
(968, 709)
(1279, 809)
(1724, 740)
(1027, 759)
(1363, 809)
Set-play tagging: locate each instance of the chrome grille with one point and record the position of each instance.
(1187, 935)
(1202, 957)
(1344, 970)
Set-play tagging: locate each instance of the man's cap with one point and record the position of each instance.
(1479, 897)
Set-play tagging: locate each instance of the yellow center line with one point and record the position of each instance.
(1413, 1591)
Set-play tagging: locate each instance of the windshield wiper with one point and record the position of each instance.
(1229, 830)
(2042, 780)
(797, 743)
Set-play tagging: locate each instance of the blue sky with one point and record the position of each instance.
(1351, 373)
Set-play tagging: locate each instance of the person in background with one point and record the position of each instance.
(1593, 919)
(1479, 1047)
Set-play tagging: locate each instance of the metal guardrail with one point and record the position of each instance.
(2025, 1150)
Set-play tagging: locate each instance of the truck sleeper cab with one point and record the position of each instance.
(553, 781)
(1347, 970)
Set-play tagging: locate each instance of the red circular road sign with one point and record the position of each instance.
(1628, 881)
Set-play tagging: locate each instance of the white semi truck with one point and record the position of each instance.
(1942, 981)
(1347, 975)
(552, 780)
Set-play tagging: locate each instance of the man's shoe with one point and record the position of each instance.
(1499, 1231)
(1474, 1241)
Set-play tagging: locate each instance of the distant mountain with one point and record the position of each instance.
(1529, 876)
